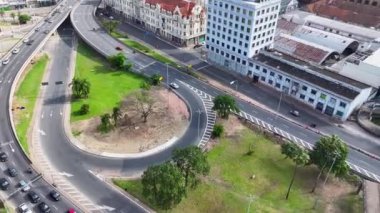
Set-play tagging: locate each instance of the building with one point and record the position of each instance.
(288, 5)
(238, 29)
(363, 67)
(328, 92)
(179, 21)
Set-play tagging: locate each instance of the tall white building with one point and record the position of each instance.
(238, 29)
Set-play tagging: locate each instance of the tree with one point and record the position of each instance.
(330, 152)
(84, 109)
(117, 61)
(163, 185)
(224, 105)
(299, 156)
(192, 162)
(23, 18)
(111, 25)
(145, 85)
(13, 15)
(217, 130)
(144, 104)
(105, 123)
(81, 88)
(155, 79)
(290, 150)
(116, 115)
(128, 67)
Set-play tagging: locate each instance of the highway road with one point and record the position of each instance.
(84, 22)
(8, 141)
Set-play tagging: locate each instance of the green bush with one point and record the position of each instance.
(84, 109)
(23, 18)
(145, 85)
(217, 131)
(156, 79)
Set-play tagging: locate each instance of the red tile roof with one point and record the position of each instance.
(185, 7)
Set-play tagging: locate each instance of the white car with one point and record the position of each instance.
(6, 61)
(24, 187)
(25, 40)
(174, 85)
(23, 208)
(15, 51)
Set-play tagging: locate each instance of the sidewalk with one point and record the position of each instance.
(268, 98)
(371, 197)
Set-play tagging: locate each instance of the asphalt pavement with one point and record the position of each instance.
(84, 21)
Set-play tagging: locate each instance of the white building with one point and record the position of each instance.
(328, 92)
(364, 68)
(238, 30)
(179, 21)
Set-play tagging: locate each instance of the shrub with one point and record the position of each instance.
(84, 109)
(217, 131)
(145, 85)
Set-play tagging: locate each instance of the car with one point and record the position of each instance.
(33, 196)
(50, 21)
(118, 48)
(111, 17)
(15, 51)
(4, 184)
(37, 29)
(23, 208)
(30, 42)
(12, 172)
(174, 85)
(294, 113)
(24, 186)
(44, 207)
(3, 155)
(25, 40)
(197, 46)
(46, 31)
(6, 61)
(55, 195)
(71, 210)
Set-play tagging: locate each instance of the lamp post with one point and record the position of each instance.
(327, 176)
(236, 85)
(199, 120)
(167, 83)
(279, 104)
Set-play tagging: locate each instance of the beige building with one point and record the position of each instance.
(179, 21)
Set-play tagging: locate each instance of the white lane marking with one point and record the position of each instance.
(60, 112)
(9, 81)
(41, 132)
(65, 174)
(105, 207)
(42, 115)
(51, 113)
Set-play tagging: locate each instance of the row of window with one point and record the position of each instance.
(227, 55)
(237, 9)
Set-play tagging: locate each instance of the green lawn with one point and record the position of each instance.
(26, 96)
(376, 121)
(108, 87)
(229, 186)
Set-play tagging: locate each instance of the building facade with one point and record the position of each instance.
(238, 30)
(324, 91)
(179, 21)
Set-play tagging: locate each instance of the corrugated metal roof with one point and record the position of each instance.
(329, 40)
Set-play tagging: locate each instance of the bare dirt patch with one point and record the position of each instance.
(133, 135)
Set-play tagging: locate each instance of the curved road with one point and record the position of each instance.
(83, 20)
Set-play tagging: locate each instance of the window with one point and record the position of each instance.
(287, 80)
(244, 62)
(250, 64)
(313, 91)
(250, 13)
(262, 78)
(271, 74)
(265, 70)
(332, 101)
(278, 85)
(257, 67)
(342, 104)
(238, 60)
(311, 100)
(232, 57)
(302, 96)
(280, 77)
(304, 88)
(270, 82)
(339, 113)
(322, 96)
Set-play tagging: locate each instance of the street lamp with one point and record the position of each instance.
(236, 85)
(279, 104)
(199, 120)
(167, 83)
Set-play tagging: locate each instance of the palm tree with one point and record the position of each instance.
(301, 159)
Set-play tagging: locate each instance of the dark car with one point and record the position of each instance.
(44, 207)
(118, 48)
(3, 156)
(30, 42)
(55, 195)
(33, 196)
(4, 184)
(12, 172)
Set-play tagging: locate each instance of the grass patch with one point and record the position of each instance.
(108, 86)
(230, 185)
(351, 203)
(26, 95)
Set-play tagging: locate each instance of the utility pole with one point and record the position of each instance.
(199, 120)
(279, 104)
(236, 85)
